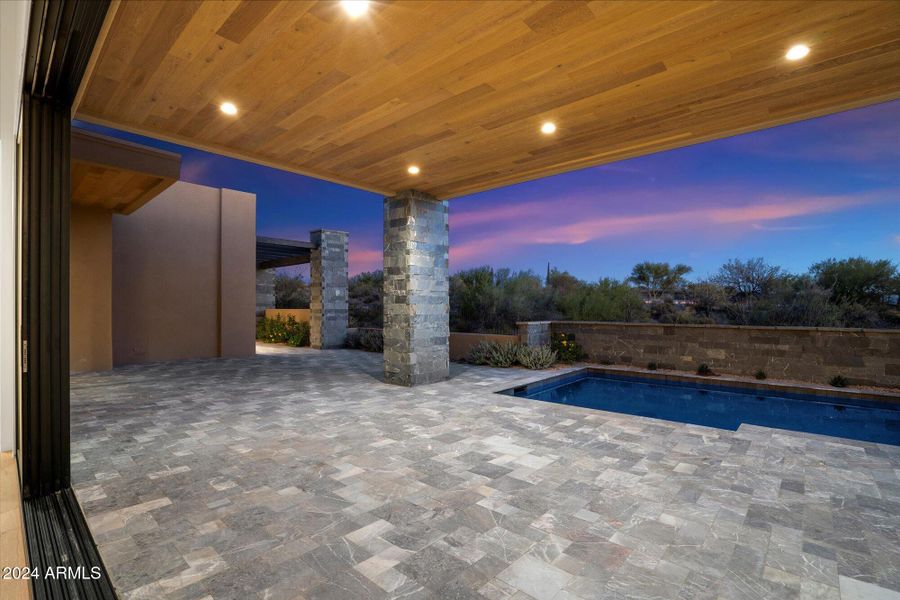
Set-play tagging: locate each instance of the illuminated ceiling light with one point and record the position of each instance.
(797, 52)
(548, 128)
(355, 8)
(228, 108)
(413, 170)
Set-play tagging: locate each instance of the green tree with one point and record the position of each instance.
(366, 299)
(291, 292)
(857, 280)
(753, 277)
(473, 300)
(658, 279)
(706, 297)
(492, 301)
(606, 300)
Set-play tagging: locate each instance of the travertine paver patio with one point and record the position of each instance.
(299, 474)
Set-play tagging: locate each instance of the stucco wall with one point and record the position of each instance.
(237, 288)
(184, 276)
(461, 343)
(864, 357)
(301, 315)
(90, 291)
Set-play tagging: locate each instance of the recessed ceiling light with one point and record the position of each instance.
(797, 52)
(228, 108)
(413, 170)
(355, 8)
(548, 128)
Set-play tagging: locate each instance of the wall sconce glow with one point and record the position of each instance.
(413, 170)
(355, 8)
(548, 128)
(797, 52)
(228, 108)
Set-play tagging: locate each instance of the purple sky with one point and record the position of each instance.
(828, 187)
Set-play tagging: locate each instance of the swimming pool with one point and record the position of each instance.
(721, 406)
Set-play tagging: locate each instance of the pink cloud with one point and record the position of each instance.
(559, 222)
(364, 259)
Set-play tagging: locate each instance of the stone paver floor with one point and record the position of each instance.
(298, 474)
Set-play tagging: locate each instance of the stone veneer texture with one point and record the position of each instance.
(534, 333)
(328, 290)
(265, 290)
(416, 289)
(863, 356)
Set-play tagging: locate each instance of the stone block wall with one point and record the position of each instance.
(265, 290)
(416, 289)
(328, 289)
(863, 356)
(534, 333)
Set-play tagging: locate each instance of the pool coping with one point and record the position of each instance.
(720, 380)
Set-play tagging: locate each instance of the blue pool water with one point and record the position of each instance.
(721, 406)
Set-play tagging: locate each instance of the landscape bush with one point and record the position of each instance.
(503, 354)
(508, 354)
(370, 340)
(566, 348)
(855, 292)
(282, 331)
(839, 381)
(537, 357)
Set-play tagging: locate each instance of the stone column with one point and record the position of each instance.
(265, 291)
(534, 333)
(328, 289)
(416, 289)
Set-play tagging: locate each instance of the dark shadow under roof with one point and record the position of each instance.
(275, 252)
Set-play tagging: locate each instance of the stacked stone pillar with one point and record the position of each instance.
(534, 333)
(328, 314)
(416, 289)
(265, 291)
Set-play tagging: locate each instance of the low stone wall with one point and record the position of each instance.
(301, 315)
(863, 356)
(461, 343)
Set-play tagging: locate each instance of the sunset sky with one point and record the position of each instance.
(795, 194)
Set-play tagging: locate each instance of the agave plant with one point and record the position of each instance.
(536, 357)
(503, 355)
(478, 354)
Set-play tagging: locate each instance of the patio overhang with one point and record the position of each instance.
(461, 89)
(427, 101)
(117, 175)
(272, 253)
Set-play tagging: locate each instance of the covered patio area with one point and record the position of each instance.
(301, 474)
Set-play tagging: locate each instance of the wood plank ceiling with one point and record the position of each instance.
(117, 175)
(460, 89)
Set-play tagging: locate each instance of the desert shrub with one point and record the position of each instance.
(839, 381)
(478, 354)
(494, 354)
(536, 357)
(370, 340)
(704, 369)
(291, 292)
(503, 355)
(652, 366)
(760, 374)
(283, 331)
(567, 349)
